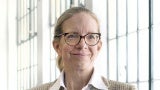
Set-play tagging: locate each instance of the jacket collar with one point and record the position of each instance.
(96, 81)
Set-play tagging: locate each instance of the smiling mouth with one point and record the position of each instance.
(80, 54)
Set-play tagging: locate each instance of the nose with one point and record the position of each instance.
(81, 44)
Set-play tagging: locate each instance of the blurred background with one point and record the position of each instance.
(130, 35)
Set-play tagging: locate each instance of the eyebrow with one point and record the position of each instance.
(72, 32)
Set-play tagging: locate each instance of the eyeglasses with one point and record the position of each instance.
(72, 39)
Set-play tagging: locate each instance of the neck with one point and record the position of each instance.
(77, 79)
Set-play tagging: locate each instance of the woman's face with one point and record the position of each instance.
(80, 56)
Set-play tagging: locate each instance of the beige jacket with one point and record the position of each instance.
(112, 85)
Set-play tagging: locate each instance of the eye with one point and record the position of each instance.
(91, 36)
(72, 36)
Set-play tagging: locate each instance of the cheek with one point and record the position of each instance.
(66, 50)
(94, 52)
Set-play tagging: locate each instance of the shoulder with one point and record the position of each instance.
(115, 85)
(45, 86)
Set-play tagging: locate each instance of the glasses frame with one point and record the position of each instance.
(64, 34)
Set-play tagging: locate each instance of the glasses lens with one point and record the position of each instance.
(72, 39)
(92, 39)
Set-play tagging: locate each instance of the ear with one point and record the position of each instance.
(56, 46)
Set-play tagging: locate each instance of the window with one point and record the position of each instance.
(26, 43)
(131, 33)
(133, 41)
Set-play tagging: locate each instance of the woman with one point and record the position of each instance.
(77, 43)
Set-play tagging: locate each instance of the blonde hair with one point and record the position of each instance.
(58, 27)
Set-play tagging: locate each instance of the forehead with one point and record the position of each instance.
(80, 22)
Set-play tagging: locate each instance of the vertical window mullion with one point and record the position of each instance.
(22, 40)
(61, 6)
(126, 40)
(117, 60)
(137, 44)
(30, 31)
(66, 4)
(150, 45)
(107, 26)
(17, 8)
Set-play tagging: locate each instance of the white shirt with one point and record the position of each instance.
(95, 83)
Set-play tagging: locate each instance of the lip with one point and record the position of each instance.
(80, 54)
